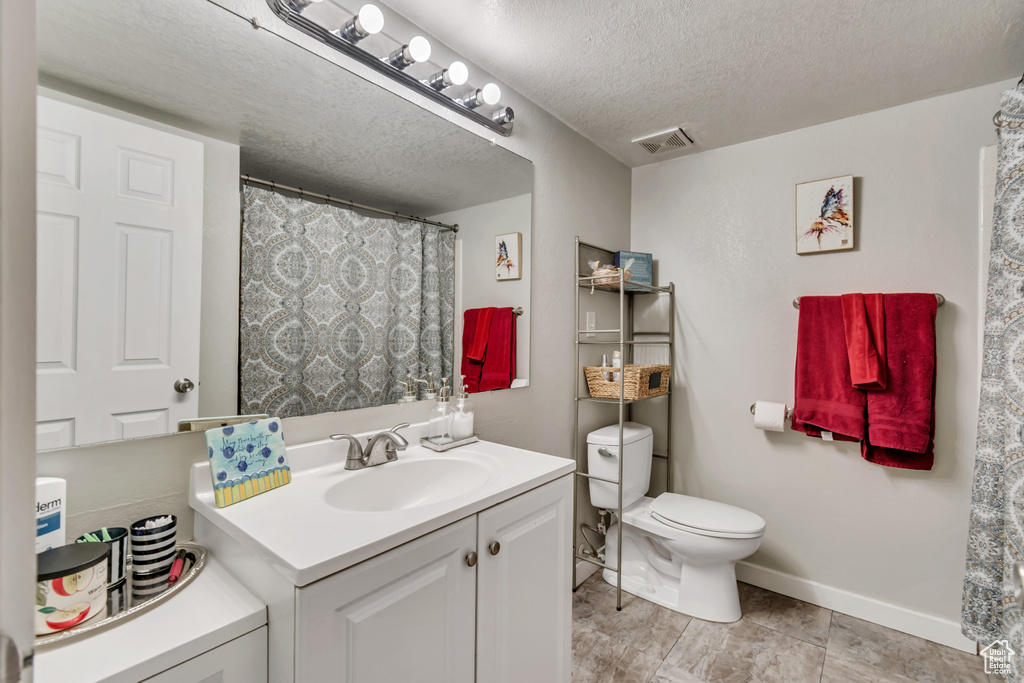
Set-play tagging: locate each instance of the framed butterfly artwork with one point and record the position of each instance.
(508, 256)
(824, 215)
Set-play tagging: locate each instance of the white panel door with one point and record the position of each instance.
(405, 616)
(120, 214)
(524, 588)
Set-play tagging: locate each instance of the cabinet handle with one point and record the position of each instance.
(494, 547)
(471, 559)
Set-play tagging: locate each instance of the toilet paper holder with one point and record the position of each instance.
(789, 411)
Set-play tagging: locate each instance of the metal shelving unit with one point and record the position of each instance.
(625, 344)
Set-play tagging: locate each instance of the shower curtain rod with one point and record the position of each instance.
(344, 202)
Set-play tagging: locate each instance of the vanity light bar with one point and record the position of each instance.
(418, 49)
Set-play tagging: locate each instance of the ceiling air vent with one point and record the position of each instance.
(667, 141)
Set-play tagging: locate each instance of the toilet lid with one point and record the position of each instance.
(705, 515)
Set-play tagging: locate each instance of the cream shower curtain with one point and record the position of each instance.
(996, 535)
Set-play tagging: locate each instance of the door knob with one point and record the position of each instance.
(184, 385)
(471, 559)
(494, 547)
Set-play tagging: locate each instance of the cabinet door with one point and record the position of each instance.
(406, 615)
(524, 596)
(242, 660)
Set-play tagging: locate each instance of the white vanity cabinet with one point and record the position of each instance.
(406, 615)
(431, 611)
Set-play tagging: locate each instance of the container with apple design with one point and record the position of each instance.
(72, 586)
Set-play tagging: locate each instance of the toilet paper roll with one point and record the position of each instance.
(770, 416)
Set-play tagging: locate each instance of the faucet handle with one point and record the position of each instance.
(397, 427)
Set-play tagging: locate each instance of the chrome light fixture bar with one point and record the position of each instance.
(344, 40)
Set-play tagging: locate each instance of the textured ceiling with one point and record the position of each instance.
(299, 119)
(726, 70)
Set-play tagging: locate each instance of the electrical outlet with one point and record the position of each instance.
(591, 322)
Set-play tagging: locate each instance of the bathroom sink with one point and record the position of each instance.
(407, 484)
(328, 518)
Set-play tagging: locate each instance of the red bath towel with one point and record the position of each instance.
(471, 369)
(500, 360)
(478, 342)
(864, 324)
(825, 397)
(497, 367)
(901, 419)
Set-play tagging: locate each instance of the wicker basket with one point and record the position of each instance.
(610, 278)
(639, 381)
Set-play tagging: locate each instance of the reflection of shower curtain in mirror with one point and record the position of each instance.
(338, 307)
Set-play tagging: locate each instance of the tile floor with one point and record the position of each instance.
(778, 640)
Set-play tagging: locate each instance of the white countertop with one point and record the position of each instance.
(304, 539)
(210, 611)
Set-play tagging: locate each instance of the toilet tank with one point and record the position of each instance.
(637, 444)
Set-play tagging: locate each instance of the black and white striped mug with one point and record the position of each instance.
(153, 549)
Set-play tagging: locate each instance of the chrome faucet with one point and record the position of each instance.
(382, 447)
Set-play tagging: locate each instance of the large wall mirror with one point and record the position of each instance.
(190, 263)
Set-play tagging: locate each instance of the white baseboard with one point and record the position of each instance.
(584, 570)
(925, 626)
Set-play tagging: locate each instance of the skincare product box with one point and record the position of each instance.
(51, 493)
(642, 268)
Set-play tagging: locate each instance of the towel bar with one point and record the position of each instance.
(938, 298)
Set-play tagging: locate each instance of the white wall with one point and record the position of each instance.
(578, 189)
(478, 226)
(721, 225)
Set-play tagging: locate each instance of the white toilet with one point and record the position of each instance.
(677, 551)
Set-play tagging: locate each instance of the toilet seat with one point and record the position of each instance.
(705, 517)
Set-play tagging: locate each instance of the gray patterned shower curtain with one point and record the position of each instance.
(337, 308)
(996, 534)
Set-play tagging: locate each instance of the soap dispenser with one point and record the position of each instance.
(462, 414)
(440, 420)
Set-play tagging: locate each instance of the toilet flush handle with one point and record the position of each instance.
(605, 452)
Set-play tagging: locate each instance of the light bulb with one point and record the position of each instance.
(492, 93)
(369, 21)
(419, 49)
(458, 74)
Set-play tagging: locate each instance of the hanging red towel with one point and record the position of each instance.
(864, 323)
(500, 360)
(471, 369)
(478, 344)
(497, 367)
(901, 419)
(825, 397)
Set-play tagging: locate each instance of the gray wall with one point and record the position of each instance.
(578, 189)
(721, 225)
(479, 225)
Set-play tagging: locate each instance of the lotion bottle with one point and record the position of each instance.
(462, 420)
(440, 421)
